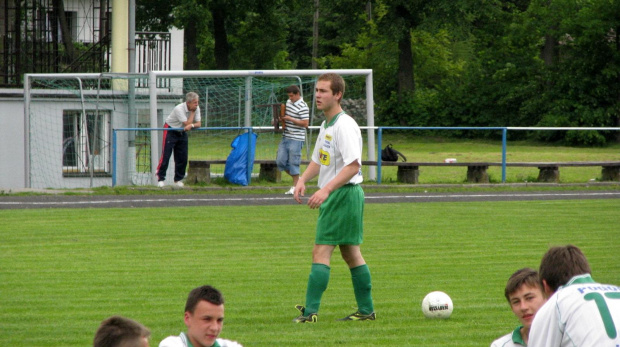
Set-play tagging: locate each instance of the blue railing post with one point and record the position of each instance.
(250, 160)
(379, 140)
(504, 131)
(113, 157)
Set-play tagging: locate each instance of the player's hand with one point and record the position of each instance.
(318, 198)
(299, 191)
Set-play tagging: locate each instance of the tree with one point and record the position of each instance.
(155, 15)
(67, 40)
(586, 78)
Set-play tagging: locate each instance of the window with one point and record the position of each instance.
(86, 141)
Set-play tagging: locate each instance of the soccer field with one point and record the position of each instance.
(62, 271)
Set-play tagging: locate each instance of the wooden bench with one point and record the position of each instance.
(408, 172)
(200, 170)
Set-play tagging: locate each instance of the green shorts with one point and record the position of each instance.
(341, 217)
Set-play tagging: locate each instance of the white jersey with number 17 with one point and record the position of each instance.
(581, 313)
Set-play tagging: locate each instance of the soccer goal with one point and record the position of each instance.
(84, 129)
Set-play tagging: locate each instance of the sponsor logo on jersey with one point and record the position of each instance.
(323, 157)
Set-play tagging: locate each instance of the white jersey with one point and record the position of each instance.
(581, 313)
(513, 339)
(339, 144)
(183, 341)
(179, 115)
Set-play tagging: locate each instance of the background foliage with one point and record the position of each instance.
(435, 63)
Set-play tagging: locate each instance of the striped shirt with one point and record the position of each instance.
(298, 110)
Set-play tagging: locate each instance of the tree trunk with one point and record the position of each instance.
(191, 52)
(548, 50)
(18, 44)
(221, 39)
(406, 83)
(67, 40)
(618, 78)
(315, 34)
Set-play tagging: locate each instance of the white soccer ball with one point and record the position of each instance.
(437, 305)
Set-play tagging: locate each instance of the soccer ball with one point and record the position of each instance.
(437, 305)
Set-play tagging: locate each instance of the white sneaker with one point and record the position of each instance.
(290, 191)
(179, 184)
(161, 184)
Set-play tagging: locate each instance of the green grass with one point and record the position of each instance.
(64, 270)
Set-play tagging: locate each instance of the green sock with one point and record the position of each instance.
(317, 283)
(360, 276)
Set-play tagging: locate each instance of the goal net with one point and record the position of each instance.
(90, 130)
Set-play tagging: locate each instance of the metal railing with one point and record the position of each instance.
(153, 53)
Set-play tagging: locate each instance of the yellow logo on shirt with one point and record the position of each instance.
(328, 137)
(323, 157)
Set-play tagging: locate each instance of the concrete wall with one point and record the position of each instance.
(12, 140)
(46, 143)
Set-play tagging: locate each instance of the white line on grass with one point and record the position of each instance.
(517, 195)
(267, 199)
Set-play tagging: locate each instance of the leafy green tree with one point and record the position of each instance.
(435, 63)
(155, 15)
(222, 34)
(582, 88)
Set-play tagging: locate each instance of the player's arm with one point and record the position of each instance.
(304, 121)
(299, 122)
(311, 172)
(342, 178)
(189, 124)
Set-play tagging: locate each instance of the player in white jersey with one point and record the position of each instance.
(579, 311)
(204, 318)
(337, 160)
(183, 341)
(525, 296)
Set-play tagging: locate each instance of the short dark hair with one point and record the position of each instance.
(522, 276)
(206, 293)
(292, 89)
(118, 331)
(562, 263)
(337, 82)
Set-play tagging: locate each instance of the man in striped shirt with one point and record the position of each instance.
(296, 120)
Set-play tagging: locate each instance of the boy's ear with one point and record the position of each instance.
(548, 291)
